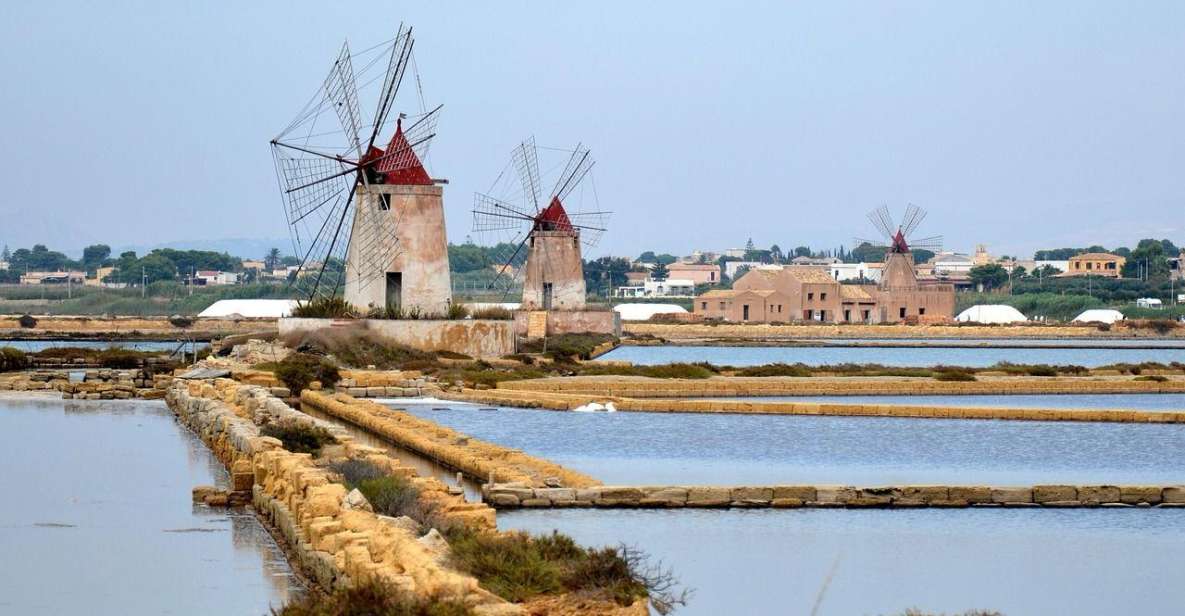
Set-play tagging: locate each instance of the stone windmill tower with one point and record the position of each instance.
(366, 221)
(544, 251)
(899, 272)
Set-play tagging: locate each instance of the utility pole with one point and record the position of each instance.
(143, 282)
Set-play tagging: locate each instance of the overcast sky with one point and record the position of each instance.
(1018, 125)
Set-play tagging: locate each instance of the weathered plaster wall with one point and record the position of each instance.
(573, 322)
(478, 338)
(421, 250)
(554, 257)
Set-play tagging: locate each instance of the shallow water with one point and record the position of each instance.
(97, 518)
(899, 357)
(1018, 561)
(1011, 342)
(1141, 402)
(31, 346)
(686, 448)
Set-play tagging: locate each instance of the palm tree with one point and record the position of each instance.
(272, 259)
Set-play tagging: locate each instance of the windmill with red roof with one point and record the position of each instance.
(366, 218)
(538, 242)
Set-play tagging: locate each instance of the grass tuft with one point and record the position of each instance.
(299, 438)
(371, 600)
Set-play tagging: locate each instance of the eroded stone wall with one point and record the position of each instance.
(478, 338)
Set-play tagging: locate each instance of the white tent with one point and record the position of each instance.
(991, 313)
(643, 312)
(249, 308)
(1099, 315)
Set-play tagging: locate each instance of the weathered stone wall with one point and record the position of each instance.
(725, 387)
(477, 459)
(335, 541)
(573, 322)
(553, 257)
(96, 383)
(568, 401)
(127, 328)
(479, 338)
(509, 496)
(420, 251)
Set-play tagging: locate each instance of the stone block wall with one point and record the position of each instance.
(573, 322)
(335, 541)
(517, 495)
(477, 459)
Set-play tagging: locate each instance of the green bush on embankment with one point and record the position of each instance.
(371, 600)
(298, 370)
(566, 346)
(297, 437)
(517, 567)
(13, 359)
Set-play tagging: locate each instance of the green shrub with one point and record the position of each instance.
(325, 308)
(451, 355)
(1160, 326)
(299, 438)
(371, 599)
(778, 369)
(496, 313)
(954, 375)
(566, 346)
(393, 496)
(12, 359)
(357, 347)
(298, 370)
(456, 311)
(1152, 377)
(354, 471)
(27, 321)
(517, 566)
(120, 358)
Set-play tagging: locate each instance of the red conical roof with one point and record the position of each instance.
(402, 166)
(553, 218)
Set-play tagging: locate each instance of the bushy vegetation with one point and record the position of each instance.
(358, 348)
(394, 496)
(371, 599)
(354, 472)
(27, 321)
(299, 370)
(1152, 377)
(660, 371)
(496, 313)
(517, 567)
(566, 346)
(113, 357)
(325, 308)
(299, 437)
(12, 359)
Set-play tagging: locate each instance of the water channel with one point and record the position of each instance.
(31, 346)
(97, 517)
(687, 448)
(976, 357)
(1130, 402)
(1085, 562)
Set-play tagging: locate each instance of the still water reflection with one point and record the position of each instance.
(686, 448)
(1017, 561)
(97, 518)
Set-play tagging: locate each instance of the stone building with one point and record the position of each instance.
(1096, 264)
(417, 277)
(803, 293)
(698, 273)
(554, 271)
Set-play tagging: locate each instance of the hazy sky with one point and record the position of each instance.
(1018, 125)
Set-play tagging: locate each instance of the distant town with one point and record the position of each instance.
(710, 283)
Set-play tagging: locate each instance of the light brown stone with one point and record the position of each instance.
(1095, 495)
(708, 496)
(1140, 494)
(971, 494)
(1012, 495)
(1054, 493)
(801, 493)
(1173, 494)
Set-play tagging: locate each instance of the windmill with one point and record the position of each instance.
(352, 185)
(899, 243)
(538, 241)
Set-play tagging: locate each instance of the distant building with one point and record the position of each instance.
(30, 278)
(1177, 267)
(251, 264)
(636, 278)
(3, 264)
(699, 273)
(804, 260)
(981, 255)
(671, 287)
(731, 267)
(856, 271)
(100, 274)
(947, 263)
(735, 253)
(212, 278)
(1096, 264)
(803, 293)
